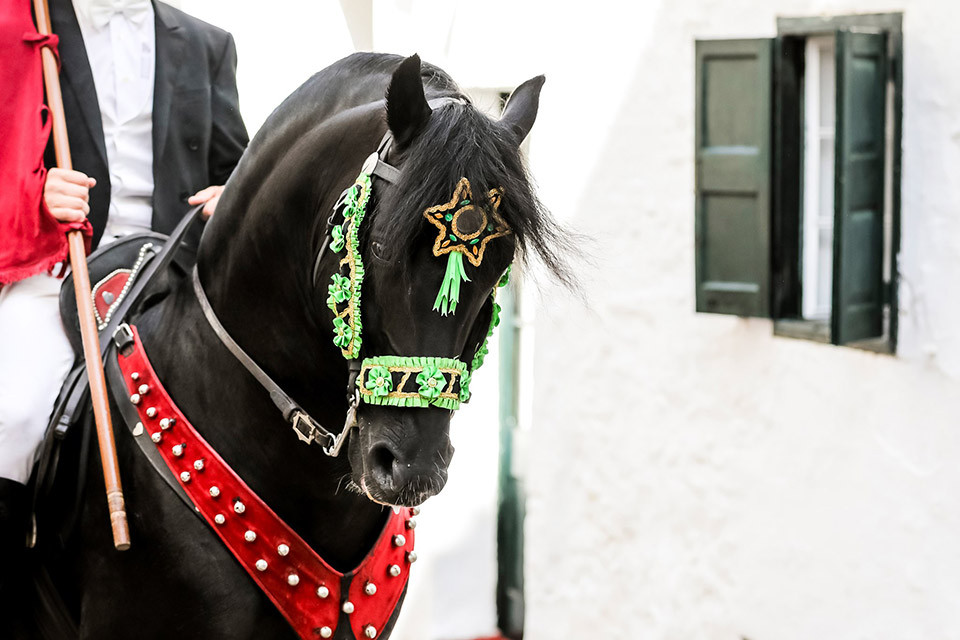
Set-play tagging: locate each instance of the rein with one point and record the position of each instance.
(304, 425)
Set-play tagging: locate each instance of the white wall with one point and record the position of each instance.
(738, 485)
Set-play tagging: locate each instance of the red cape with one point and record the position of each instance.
(31, 240)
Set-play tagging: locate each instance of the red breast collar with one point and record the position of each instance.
(308, 592)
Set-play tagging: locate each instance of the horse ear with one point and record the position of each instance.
(407, 108)
(521, 110)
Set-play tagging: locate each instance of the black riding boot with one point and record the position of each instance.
(14, 513)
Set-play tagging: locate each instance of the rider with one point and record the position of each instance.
(153, 116)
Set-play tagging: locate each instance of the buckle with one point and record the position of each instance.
(351, 422)
(123, 338)
(309, 431)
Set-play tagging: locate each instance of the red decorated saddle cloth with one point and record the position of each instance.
(314, 597)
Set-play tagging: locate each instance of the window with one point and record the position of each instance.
(797, 178)
(819, 132)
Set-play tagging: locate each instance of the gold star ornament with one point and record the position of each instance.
(464, 226)
(465, 229)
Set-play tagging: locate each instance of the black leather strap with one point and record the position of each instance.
(158, 265)
(306, 427)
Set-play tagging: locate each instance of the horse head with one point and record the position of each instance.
(392, 290)
(440, 239)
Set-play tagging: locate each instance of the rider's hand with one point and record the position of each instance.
(67, 194)
(210, 196)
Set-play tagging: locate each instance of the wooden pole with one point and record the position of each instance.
(81, 283)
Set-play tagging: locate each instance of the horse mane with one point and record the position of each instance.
(460, 141)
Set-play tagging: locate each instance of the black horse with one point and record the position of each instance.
(257, 265)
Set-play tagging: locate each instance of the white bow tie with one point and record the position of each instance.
(101, 11)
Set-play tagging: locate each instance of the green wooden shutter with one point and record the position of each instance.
(733, 176)
(858, 197)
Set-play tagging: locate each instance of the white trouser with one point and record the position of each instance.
(35, 357)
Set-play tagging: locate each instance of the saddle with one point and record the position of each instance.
(126, 277)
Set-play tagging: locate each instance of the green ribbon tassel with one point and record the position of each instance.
(449, 294)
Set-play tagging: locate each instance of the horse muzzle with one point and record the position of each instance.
(401, 460)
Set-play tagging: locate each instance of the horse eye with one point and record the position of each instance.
(378, 250)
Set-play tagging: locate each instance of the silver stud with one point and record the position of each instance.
(151, 412)
(134, 376)
(185, 476)
(144, 389)
(261, 565)
(135, 398)
(415, 511)
(395, 570)
(412, 557)
(370, 589)
(219, 519)
(293, 579)
(323, 592)
(399, 540)
(283, 550)
(165, 423)
(138, 430)
(177, 450)
(411, 524)
(214, 492)
(370, 631)
(239, 507)
(348, 607)
(198, 465)
(157, 437)
(326, 632)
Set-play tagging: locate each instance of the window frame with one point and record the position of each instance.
(786, 267)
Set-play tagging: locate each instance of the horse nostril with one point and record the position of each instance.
(383, 463)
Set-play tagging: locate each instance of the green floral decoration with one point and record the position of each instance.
(352, 194)
(346, 285)
(406, 392)
(337, 242)
(379, 381)
(465, 386)
(505, 278)
(339, 290)
(431, 382)
(343, 334)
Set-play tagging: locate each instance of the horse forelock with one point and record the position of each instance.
(461, 142)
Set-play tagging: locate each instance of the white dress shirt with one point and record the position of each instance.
(120, 40)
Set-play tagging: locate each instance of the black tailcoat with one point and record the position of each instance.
(198, 134)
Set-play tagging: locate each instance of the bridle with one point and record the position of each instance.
(307, 428)
(443, 382)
